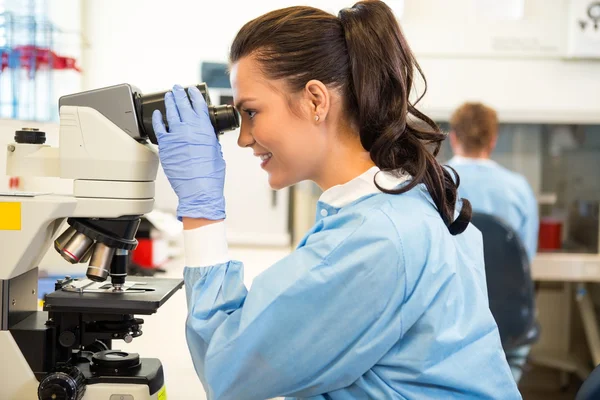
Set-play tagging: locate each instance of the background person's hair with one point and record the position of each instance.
(475, 126)
(363, 54)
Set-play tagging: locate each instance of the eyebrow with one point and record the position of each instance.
(240, 103)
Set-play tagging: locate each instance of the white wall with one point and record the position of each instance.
(518, 66)
(532, 91)
(154, 45)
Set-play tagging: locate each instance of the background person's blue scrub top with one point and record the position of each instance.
(495, 190)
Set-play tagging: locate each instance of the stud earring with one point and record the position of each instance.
(316, 118)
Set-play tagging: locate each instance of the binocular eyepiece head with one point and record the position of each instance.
(131, 110)
(223, 117)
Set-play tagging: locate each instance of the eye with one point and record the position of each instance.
(251, 113)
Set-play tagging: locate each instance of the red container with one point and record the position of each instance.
(550, 236)
(143, 253)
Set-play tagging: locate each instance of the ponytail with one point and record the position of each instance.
(397, 135)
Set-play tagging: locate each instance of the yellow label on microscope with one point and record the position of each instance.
(10, 216)
(162, 394)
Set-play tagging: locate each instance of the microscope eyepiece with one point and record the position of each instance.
(223, 117)
(131, 110)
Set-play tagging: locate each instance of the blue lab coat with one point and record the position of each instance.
(379, 301)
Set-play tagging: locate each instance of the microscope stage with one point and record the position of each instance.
(145, 297)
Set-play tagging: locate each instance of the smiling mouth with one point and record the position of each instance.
(265, 157)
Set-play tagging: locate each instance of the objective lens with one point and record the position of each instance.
(64, 238)
(99, 267)
(88, 254)
(76, 248)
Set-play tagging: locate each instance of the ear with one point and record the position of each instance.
(319, 99)
(453, 141)
(493, 143)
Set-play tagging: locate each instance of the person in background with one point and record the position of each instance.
(491, 188)
(385, 297)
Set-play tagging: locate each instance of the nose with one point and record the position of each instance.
(245, 139)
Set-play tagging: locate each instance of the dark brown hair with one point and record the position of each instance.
(475, 125)
(363, 54)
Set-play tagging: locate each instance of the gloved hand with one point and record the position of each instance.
(191, 155)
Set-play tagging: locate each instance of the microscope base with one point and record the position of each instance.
(103, 391)
(78, 329)
(18, 381)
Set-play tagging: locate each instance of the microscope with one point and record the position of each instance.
(66, 350)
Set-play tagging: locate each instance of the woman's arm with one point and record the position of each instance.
(314, 322)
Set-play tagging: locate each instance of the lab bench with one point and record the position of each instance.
(575, 272)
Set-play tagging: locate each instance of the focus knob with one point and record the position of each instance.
(65, 383)
(30, 136)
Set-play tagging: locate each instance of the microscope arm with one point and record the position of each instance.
(33, 160)
(91, 147)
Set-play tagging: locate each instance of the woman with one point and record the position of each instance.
(385, 296)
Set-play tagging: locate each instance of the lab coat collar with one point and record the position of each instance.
(363, 185)
(460, 160)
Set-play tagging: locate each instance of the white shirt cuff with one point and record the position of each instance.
(206, 246)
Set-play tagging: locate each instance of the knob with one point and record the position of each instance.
(67, 339)
(64, 383)
(30, 136)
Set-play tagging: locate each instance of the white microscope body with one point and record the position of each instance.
(65, 352)
(113, 176)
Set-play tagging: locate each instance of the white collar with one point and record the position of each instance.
(340, 195)
(458, 160)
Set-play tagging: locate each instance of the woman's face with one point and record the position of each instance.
(280, 127)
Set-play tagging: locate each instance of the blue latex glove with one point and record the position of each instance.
(191, 155)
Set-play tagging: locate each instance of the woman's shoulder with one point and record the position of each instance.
(395, 215)
(359, 225)
(408, 211)
(414, 219)
(409, 217)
